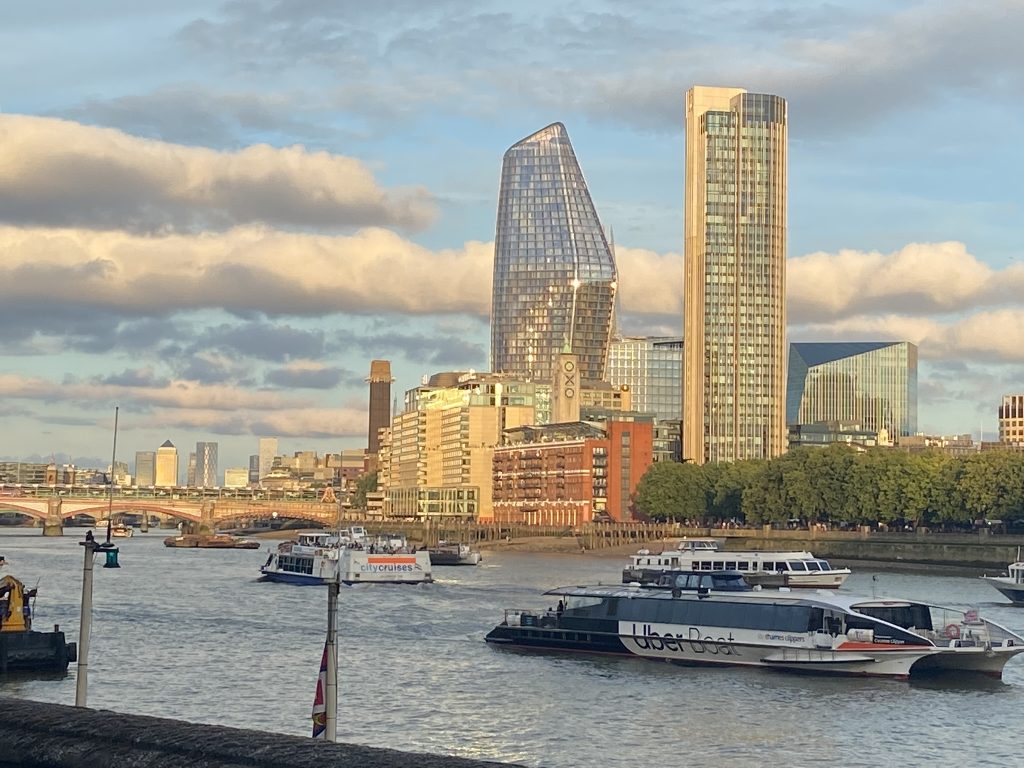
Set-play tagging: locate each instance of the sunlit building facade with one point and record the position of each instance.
(145, 468)
(1011, 420)
(554, 272)
(869, 384)
(166, 465)
(734, 286)
(652, 368)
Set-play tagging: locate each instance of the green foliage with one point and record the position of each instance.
(838, 485)
(364, 485)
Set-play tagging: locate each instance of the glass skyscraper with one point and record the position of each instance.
(871, 384)
(206, 465)
(652, 368)
(734, 285)
(554, 272)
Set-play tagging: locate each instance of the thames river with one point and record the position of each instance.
(191, 634)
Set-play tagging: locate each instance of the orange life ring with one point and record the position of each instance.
(952, 631)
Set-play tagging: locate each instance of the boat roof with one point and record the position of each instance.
(821, 597)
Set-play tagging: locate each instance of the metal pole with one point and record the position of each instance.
(85, 625)
(331, 692)
(110, 487)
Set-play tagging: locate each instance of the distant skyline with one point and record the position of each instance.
(216, 214)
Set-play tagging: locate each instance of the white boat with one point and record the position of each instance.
(122, 531)
(1011, 585)
(453, 553)
(821, 632)
(319, 558)
(783, 569)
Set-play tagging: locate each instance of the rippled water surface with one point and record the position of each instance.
(191, 634)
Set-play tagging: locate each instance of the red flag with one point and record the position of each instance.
(319, 701)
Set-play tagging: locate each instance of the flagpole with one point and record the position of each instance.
(331, 649)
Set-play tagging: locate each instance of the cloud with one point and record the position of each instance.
(63, 174)
(306, 374)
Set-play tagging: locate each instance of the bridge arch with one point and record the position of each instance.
(38, 514)
(100, 510)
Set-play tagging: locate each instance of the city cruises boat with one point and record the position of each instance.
(1011, 585)
(453, 553)
(821, 632)
(319, 558)
(775, 569)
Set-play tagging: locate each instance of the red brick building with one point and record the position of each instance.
(565, 474)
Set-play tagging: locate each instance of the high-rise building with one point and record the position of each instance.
(554, 272)
(206, 465)
(1011, 420)
(166, 465)
(380, 401)
(254, 469)
(145, 468)
(652, 368)
(267, 451)
(869, 385)
(734, 286)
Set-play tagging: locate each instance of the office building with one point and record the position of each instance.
(190, 472)
(867, 385)
(554, 272)
(652, 368)
(206, 465)
(734, 285)
(166, 465)
(254, 469)
(145, 468)
(380, 401)
(236, 477)
(267, 452)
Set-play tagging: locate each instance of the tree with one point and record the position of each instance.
(364, 485)
(671, 491)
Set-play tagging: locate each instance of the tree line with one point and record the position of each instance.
(840, 486)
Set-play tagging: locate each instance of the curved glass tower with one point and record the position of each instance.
(554, 273)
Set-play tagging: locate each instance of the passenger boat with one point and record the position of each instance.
(775, 569)
(1011, 585)
(453, 553)
(21, 647)
(692, 622)
(122, 531)
(319, 558)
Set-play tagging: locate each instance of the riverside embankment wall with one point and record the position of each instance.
(981, 550)
(38, 735)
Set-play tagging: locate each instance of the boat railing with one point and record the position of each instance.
(525, 617)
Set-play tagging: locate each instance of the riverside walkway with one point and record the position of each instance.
(43, 735)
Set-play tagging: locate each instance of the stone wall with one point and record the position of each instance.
(38, 735)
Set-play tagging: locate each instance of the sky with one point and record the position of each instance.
(214, 215)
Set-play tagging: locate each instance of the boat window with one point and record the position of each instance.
(906, 616)
(768, 566)
(781, 565)
(813, 565)
(742, 565)
(824, 565)
(717, 565)
(572, 602)
(730, 565)
(797, 565)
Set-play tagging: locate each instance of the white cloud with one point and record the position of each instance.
(61, 173)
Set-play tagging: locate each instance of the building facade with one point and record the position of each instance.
(380, 401)
(206, 465)
(145, 468)
(734, 284)
(568, 474)
(652, 368)
(236, 477)
(871, 386)
(554, 272)
(267, 452)
(1011, 420)
(166, 465)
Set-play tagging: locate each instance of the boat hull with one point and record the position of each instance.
(1013, 592)
(448, 558)
(356, 567)
(35, 652)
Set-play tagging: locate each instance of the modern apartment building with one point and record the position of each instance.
(734, 328)
(554, 272)
(1011, 420)
(652, 368)
(145, 468)
(870, 385)
(206, 465)
(166, 465)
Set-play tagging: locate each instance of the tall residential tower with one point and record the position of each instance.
(734, 287)
(554, 272)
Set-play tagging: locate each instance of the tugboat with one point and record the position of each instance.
(21, 647)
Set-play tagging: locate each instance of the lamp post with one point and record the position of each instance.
(331, 689)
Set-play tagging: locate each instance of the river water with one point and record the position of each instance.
(191, 634)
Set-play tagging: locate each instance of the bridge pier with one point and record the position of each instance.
(53, 525)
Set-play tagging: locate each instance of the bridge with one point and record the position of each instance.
(202, 509)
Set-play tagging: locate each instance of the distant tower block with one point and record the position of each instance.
(380, 401)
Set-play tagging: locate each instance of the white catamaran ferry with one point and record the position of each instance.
(349, 556)
(820, 632)
(786, 569)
